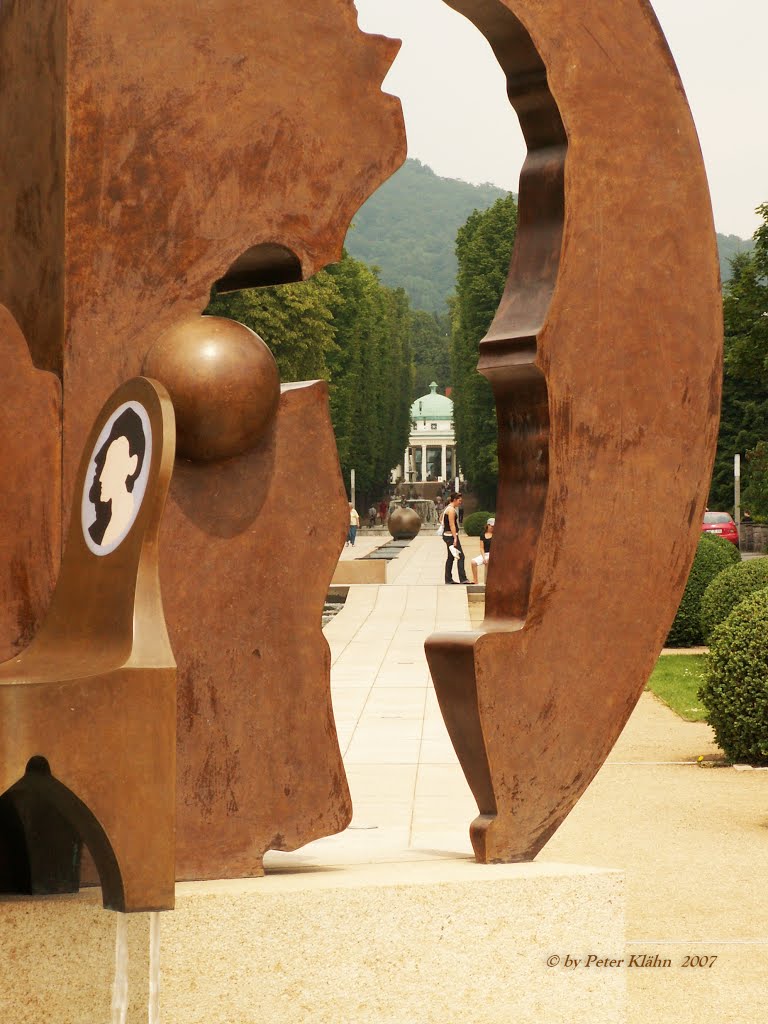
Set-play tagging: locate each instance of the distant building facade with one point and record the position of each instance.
(431, 452)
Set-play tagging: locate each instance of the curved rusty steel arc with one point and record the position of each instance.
(508, 352)
(605, 362)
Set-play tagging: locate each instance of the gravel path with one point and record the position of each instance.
(693, 842)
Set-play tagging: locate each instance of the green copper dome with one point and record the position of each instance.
(432, 406)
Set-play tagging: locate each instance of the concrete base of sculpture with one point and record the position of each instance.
(432, 941)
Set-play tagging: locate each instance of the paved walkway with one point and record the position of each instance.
(400, 762)
(693, 841)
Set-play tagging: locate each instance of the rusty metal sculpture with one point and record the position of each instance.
(132, 177)
(30, 436)
(88, 710)
(259, 761)
(605, 361)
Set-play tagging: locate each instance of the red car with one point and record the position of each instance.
(722, 524)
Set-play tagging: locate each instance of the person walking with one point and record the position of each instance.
(354, 522)
(454, 552)
(485, 549)
(383, 511)
(372, 516)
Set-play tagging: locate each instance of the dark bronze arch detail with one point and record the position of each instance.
(265, 264)
(43, 826)
(605, 361)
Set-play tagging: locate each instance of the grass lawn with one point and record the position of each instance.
(676, 680)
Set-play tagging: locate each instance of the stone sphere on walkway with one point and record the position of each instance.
(404, 523)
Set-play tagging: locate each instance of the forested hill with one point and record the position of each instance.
(729, 246)
(409, 227)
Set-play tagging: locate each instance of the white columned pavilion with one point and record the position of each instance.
(431, 452)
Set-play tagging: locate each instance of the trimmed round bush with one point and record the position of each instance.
(730, 549)
(736, 691)
(728, 588)
(474, 524)
(709, 561)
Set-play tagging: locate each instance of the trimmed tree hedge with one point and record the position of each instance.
(474, 524)
(709, 561)
(730, 549)
(728, 588)
(736, 691)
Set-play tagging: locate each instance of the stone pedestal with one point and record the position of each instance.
(433, 942)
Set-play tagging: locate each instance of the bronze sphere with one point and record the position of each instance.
(404, 523)
(223, 382)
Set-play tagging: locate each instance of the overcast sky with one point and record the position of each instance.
(447, 76)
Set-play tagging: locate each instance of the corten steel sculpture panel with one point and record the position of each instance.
(259, 761)
(88, 710)
(30, 468)
(211, 158)
(148, 152)
(605, 361)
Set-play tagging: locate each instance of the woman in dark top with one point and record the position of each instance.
(485, 549)
(453, 544)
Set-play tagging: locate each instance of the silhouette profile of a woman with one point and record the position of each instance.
(117, 465)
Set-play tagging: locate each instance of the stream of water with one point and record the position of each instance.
(120, 985)
(154, 968)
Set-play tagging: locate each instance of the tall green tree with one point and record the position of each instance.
(744, 416)
(431, 346)
(483, 248)
(370, 375)
(755, 495)
(295, 321)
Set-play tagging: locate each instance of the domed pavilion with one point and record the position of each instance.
(431, 451)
